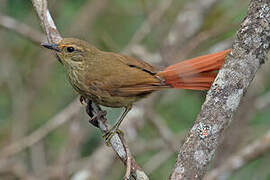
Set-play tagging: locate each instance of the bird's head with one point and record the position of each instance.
(73, 52)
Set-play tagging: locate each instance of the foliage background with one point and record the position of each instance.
(34, 88)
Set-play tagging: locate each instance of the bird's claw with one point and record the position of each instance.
(99, 115)
(108, 135)
(94, 119)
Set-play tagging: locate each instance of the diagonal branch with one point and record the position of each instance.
(62, 117)
(20, 28)
(188, 22)
(249, 51)
(241, 158)
(116, 142)
(41, 7)
(147, 25)
(87, 15)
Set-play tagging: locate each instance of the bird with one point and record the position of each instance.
(118, 81)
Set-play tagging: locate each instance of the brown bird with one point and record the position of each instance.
(117, 80)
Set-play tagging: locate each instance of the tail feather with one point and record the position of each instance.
(197, 73)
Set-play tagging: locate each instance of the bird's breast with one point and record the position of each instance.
(92, 89)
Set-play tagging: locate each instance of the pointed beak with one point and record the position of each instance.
(51, 46)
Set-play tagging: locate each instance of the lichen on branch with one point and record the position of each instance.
(249, 51)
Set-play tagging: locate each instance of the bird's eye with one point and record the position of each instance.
(70, 49)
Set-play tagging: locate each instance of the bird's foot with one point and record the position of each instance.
(94, 119)
(108, 135)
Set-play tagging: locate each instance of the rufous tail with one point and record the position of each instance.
(197, 73)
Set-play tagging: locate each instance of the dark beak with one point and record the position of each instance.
(51, 46)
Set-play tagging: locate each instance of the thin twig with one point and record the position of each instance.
(147, 25)
(241, 158)
(116, 142)
(101, 154)
(62, 117)
(15, 170)
(262, 102)
(188, 22)
(128, 161)
(22, 29)
(224, 97)
(87, 15)
(92, 109)
(70, 152)
(165, 133)
(195, 41)
(157, 160)
(41, 7)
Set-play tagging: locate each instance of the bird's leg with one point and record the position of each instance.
(115, 129)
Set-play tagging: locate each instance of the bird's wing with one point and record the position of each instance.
(128, 76)
(137, 63)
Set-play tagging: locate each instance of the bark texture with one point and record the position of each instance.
(249, 51)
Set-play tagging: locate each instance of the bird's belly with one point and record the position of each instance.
(104, 98)
(99, 95)
(111, 101)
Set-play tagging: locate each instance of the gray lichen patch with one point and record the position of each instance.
(118, 146)
(234, 99)
(249, 51)
(141, 175)
(200, 157)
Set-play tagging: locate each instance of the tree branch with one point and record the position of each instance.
(41, 7)
(87, 15)
(147, 25)
(21, 28)
(188, 23)
(241, 158)
(116, 141)
(62, 117)
(249, 52)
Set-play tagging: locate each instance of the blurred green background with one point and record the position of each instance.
(34, 88)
